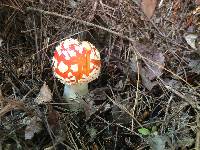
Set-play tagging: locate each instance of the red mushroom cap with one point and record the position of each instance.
(76, 62)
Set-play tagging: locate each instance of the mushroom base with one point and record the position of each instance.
(72, 95)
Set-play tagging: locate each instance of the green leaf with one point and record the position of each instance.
(144, 131)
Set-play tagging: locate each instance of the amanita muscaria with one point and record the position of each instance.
(76, 64)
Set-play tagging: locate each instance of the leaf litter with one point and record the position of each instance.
(44, 96)
(154, 63)
(136, 77)
(34, 125)
(148, 7)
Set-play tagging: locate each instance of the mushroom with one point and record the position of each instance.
(76, 64)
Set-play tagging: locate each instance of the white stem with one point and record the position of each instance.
(72, 94)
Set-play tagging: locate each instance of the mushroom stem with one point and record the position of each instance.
(72, 94)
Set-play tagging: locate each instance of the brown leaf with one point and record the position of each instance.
(146, 81)
(45, 95)
(197, 2)
(143, 73)
(154, 62)
(153, 58)
(148, 7)
(154, 65)
(90, 107)
(53, 119)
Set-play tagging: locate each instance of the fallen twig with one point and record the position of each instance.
(12, 104)
(80, 21)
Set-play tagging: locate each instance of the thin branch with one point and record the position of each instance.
(80, 21)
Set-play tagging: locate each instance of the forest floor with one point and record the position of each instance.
(147, 95)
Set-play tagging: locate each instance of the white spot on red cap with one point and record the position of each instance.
(86, 45)
(78, 49)
(92, 56)
(91, 65)
(67, 57)
(74, 68)
(72, 53)
(58, 49)
(70, 75)
(62, 67)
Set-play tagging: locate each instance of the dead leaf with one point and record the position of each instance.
(191, 39)
(34, 125)
(45, 95)
(158, 142)
(119, 85)
(148, 7)
(91, 105)
(197, 2)
(53, 119)
(154, 62)
(144, 75)
(119, 114)
(154, 65)
(195, 66)
(146, 81)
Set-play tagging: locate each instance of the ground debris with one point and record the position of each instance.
(149, 76)
(148, 7)
(34, 125)
(45, 95)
